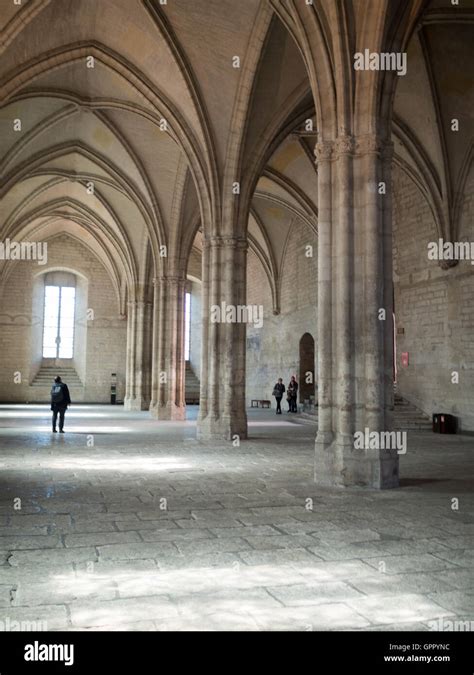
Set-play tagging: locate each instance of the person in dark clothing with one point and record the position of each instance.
(60, 399)
(278, 391)
(292, 394)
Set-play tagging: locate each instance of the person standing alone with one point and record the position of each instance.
(60, 399)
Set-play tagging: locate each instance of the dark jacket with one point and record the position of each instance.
(279, 387)
(293, 389)
(66, 396)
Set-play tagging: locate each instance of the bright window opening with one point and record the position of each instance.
(58, 327)
(187, 326)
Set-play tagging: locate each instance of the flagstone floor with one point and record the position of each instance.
(125, 523)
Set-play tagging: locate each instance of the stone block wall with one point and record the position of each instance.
(21, 327)
(434, 308)
(273, 350)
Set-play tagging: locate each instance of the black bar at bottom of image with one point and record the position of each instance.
(378, 652)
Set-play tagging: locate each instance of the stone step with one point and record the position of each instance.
(64, 378)
(55, 369)
(192, 385)
(398, 425)
(49, 376)
(406, 416)
(46, 374)
(192, 379)
(70, 376)
(49, 384)
(409, 414)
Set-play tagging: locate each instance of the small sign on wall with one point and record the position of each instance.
(405, 359)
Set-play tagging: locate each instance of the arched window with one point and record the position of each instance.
(59, 311)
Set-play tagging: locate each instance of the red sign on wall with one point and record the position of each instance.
(405, 359)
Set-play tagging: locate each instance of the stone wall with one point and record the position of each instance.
(434, 308)
(21, 326)
(273, 350)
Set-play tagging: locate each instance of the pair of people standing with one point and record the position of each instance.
(291, 394)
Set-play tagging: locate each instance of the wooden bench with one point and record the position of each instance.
(260, 403)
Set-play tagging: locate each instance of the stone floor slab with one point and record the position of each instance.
(407, 607)
(239, 546)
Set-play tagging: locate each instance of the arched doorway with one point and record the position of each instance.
(306, 375)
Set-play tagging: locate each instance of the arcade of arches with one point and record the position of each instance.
(161, 160)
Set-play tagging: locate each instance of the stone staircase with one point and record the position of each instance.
(406, 417)
(46, 374)
(192, 386)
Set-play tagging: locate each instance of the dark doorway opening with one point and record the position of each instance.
(306, 379)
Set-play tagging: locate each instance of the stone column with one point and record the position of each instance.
(368, 150)
(168, 349)
(379, 468)
(155, 346)
(343, 275)
(137, 396)
(355, 311)
(234, 253)
(147, 354)
(205, 304)
(130, 360)
(325, 456)
(224, 414)
(388, 300)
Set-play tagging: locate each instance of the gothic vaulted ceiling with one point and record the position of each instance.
(119, 117)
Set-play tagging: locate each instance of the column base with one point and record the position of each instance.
(339, 464)
(130, 403)
(226, 428)
(169, 412)
(329, 460)
(373, 468)
(135, 404)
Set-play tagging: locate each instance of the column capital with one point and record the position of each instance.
(323, 151)
(344, 145)
(169, 279)
(137, 304)
(226, 242)
(373, 144)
